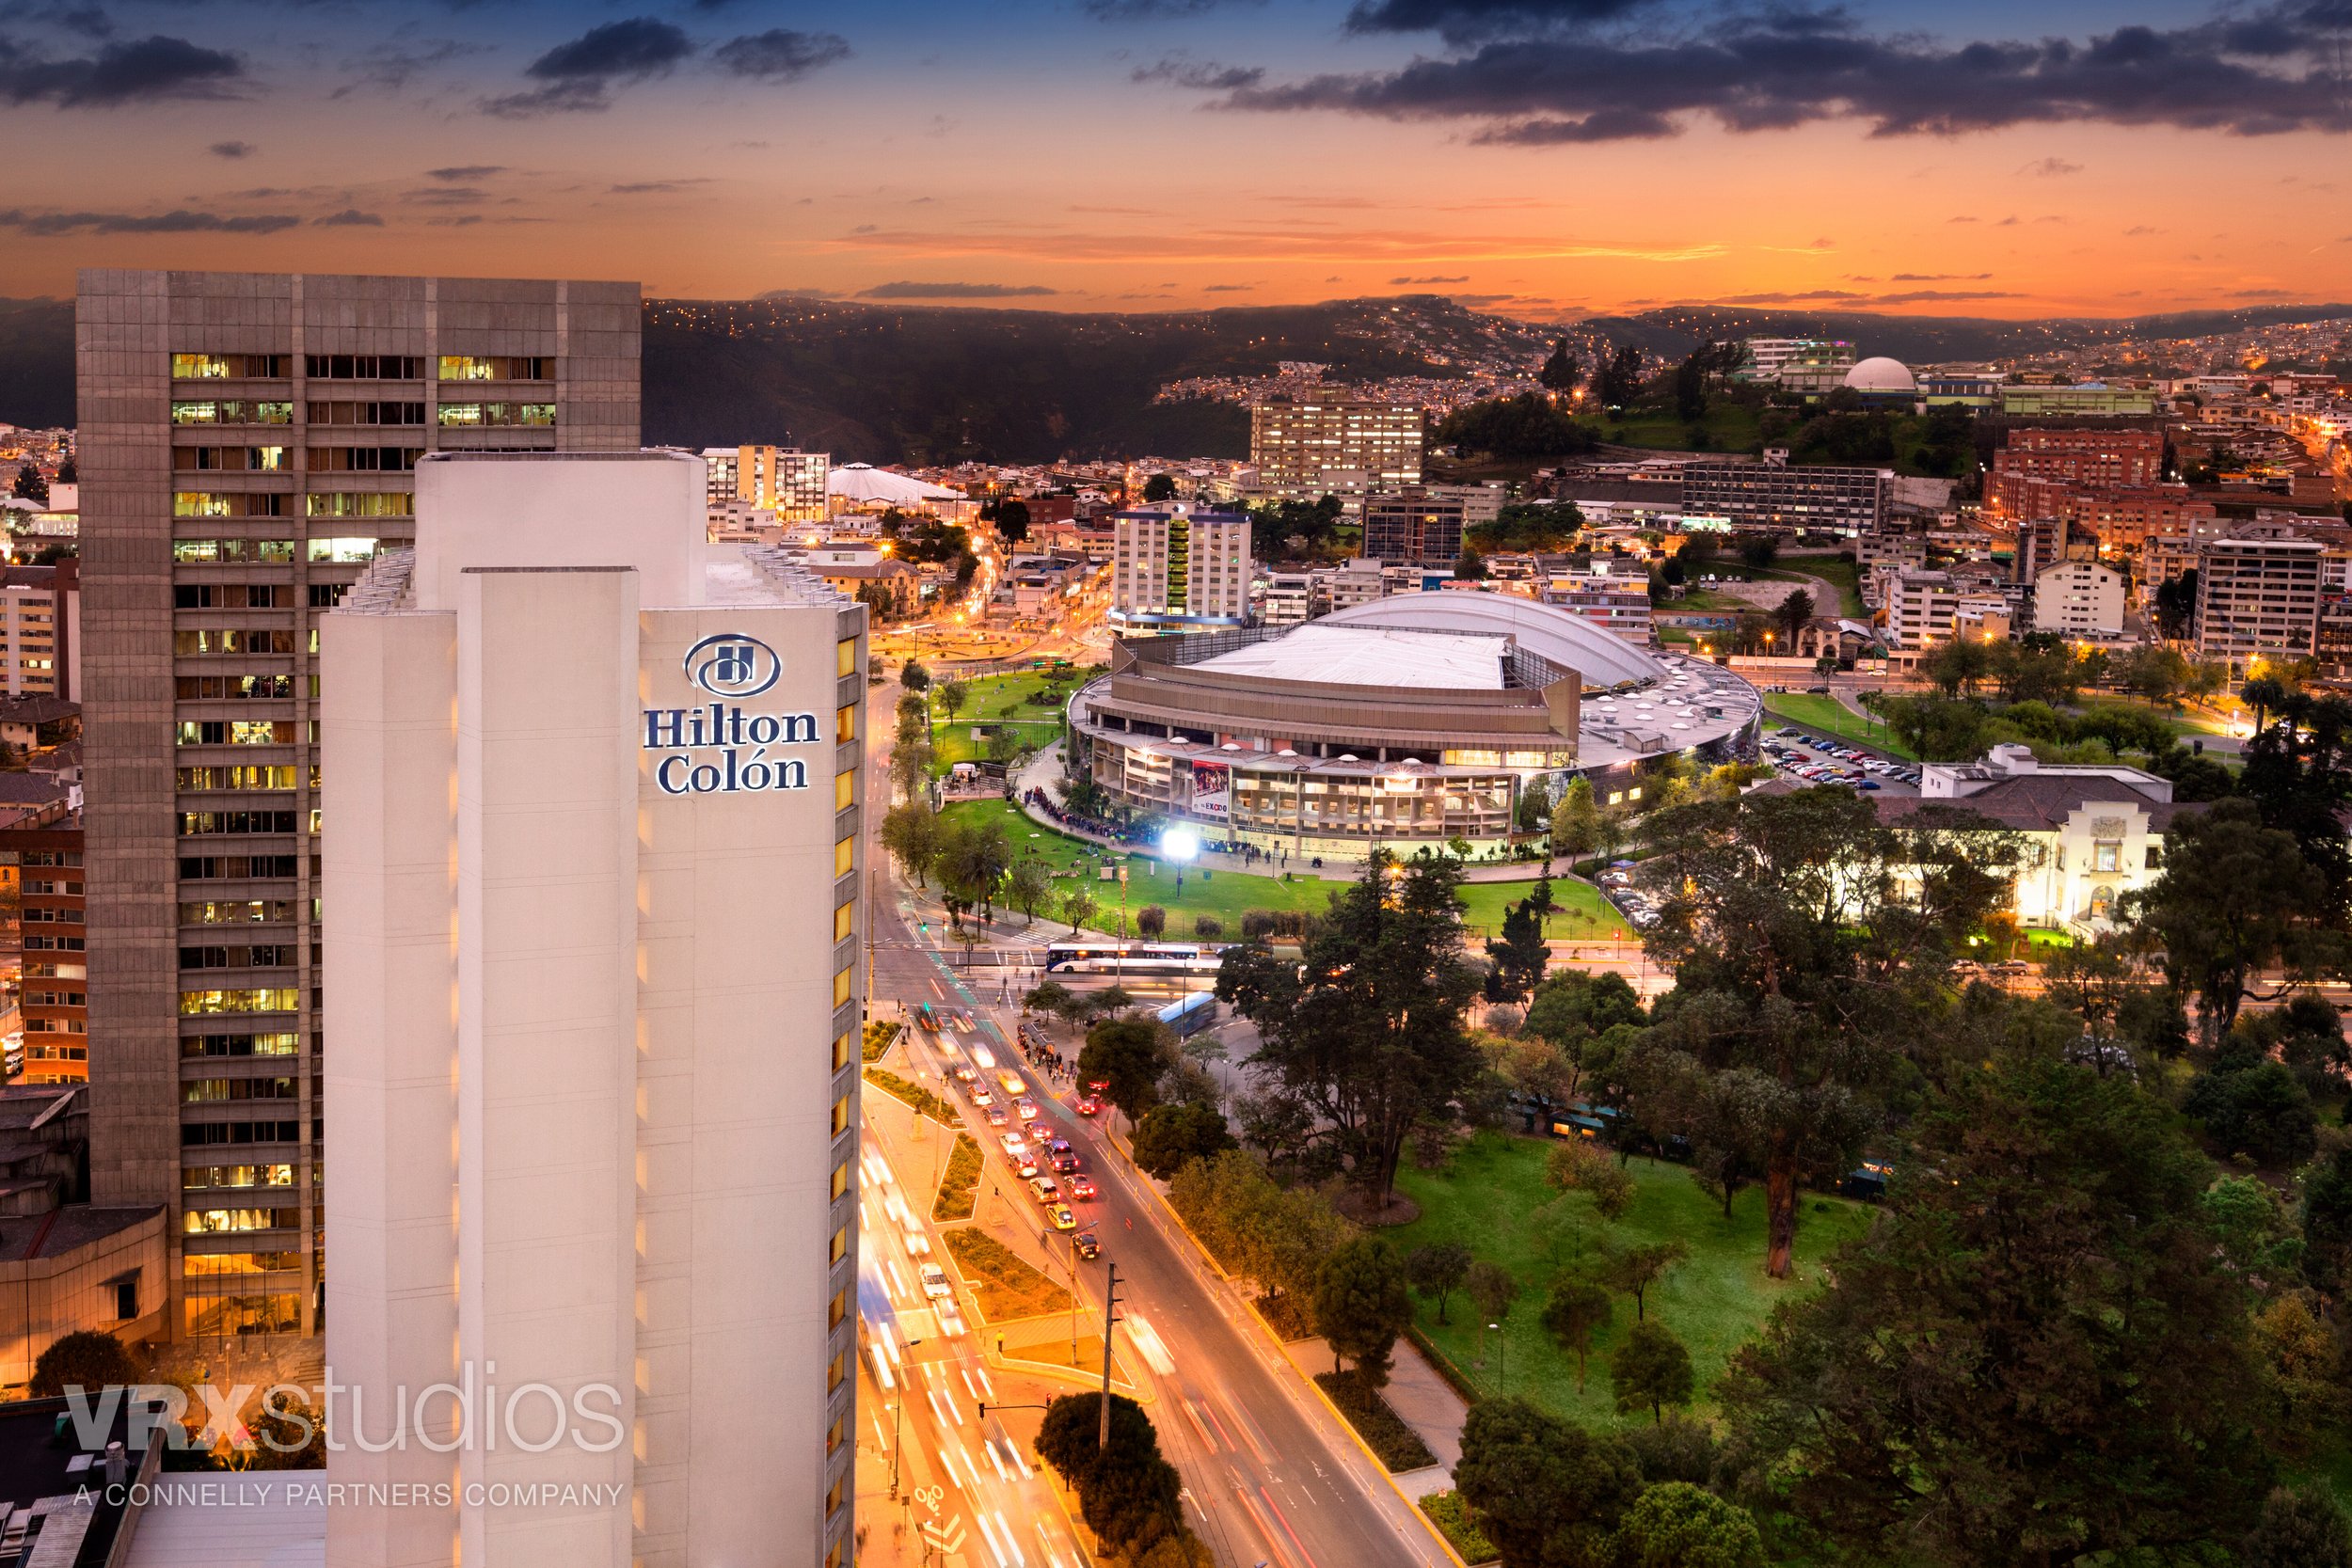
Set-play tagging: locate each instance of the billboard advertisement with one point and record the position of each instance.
(1212, 788)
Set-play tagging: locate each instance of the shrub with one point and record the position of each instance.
(86, 1358)
(1208, 927)
(1452, 1515)
(1384, 1432)
(959, 1186)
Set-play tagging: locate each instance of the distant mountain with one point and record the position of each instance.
(940, 385)
(37, 362)
(1675, 330)
(911, 384)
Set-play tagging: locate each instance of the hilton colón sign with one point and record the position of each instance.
(721, 748)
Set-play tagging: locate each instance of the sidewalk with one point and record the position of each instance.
(1421, 1401)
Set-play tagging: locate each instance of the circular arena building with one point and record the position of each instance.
(1408, 721)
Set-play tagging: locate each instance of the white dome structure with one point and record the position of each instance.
(1602, 658)
(1884, 375)
(863, 484)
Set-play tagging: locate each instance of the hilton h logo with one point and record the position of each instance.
(731, 664)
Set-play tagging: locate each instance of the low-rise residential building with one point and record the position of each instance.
(1292, 598)
(2079, 599)
(1417, 526)
(1618, 604)
(41, 630)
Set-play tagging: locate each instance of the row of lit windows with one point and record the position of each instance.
(242, 776)
(260, 999)
(192, 688)
(197, 1178)
(362, 367)
(219, 1222)
(284, 1042)
(211, 640)
(237, 732)
(214, 1091)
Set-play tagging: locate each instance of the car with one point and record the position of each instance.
(1015, 1144)
(1011, 1082)
(980, 1096)
(1088, 1245)
(1088, 1105)
(1080, 1185)
(1063, 1219)
(997, 1116)
(1867, 783)
(1026, 1167)
(918, 1243)
(1065, 1161)
(965, 1073)
(1025, 1108)
(1044, 1189)
(935, 1282)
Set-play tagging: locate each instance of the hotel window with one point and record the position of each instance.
(844, 791)
(364, 367)
(845, 723)
(844, 857)
(832, 1437)
(843, 983)
(839, 1310)
(844, 921)
(837, 1371)
(840, 1057)
(841, 1115)
(838, 1248)
(841, 1178)
(225, 367)
(845, 657)
(496, 366)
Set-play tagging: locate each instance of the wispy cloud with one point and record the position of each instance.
(954, 290)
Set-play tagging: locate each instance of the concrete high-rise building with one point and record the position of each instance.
(247, 444)
(41, 630)
(1417, 526)
(596, 976)
(783, 479)
(2258, 597)
(1173, 563)
(1821, 497)
(1293, 441)
(2079, 598)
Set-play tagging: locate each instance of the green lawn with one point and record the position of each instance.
(1827, 716)
(1488, 1199)
(993, 700)
(1227, 893)
(1834, 569)
(1729, 427)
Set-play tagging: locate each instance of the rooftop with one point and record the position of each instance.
(1369, 655)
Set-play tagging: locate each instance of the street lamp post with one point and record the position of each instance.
(898, 1430)
(1180, 845)
(1501, 1381)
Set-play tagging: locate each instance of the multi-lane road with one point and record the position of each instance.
(1269, 1476)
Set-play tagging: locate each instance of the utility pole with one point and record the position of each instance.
(899, 1420)
(1110, 1315)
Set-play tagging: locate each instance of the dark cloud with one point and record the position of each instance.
(447, 195)
(232, 149)
(1463, 19)
(137, 72)
(464, 174)
(1779, 297)
(780, 55)
(178, 221)
(1528, 84)
(390, 67)
(578, 73)
(953, 290)
(350, 217)
(1939, 277)
(1201, 76)
(1150, 10)
(89, 21)
(639, 46)
(654, 187)
(1401, 282)
(1227, 288)
(2051, 168)
(1921, 296)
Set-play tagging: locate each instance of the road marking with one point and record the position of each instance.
(947, 1539)
(1304, 1554)
(1193, 1413)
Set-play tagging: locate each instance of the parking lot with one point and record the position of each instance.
(1802, 758)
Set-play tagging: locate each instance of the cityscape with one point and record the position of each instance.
(1555, 784)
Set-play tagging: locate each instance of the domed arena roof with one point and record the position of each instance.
(1566, 638)
(1882, 374)
(863, 484)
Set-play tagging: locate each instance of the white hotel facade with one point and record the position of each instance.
(594, 998)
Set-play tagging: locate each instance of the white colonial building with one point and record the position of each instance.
(2092, 834)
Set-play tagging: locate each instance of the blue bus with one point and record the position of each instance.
(1193, 1014)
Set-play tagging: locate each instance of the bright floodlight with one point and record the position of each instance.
(1179, 844)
